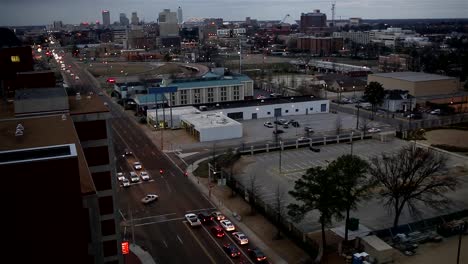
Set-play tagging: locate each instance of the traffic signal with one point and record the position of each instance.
(161, 171)
(125, 249)
(186, 173)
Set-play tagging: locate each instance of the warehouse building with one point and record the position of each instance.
(211, 127)
(418, 84)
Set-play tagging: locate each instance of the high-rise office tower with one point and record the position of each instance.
(124, 20)
(168, 24)
(135, 19)
(105, 18)
(180, 19)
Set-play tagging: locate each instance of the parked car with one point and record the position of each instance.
(127, 153)
(240, 238)
(149, 198)
(257, 255)
(218, 216)
(217, 231)
(308, 129)
(278, 131)
(125, 183)
(137, 165)
(435, 112)
(314, 149)
(227, 225)
(144, 176)
(268, 124)
(295, 124)
(373, 130)
(205, 218)
(193, 220)
(134, 177)
(120, 176)
(231, 250)
(303, 139)
(285, 126)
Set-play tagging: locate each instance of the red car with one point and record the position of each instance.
(217, 231)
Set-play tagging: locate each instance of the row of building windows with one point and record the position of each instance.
(210, 95)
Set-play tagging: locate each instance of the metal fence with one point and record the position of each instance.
(286, 226)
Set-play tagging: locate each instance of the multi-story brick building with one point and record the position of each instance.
(320, 45)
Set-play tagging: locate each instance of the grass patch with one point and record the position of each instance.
(202, 170)
(450, 148)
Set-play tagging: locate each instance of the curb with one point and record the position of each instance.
(141, 254)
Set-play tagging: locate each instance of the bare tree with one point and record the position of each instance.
(364, 125)
(338, 124)
(253, 191)
(279, 207)
(412, 177)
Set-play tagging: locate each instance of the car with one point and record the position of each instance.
(261, 97)
(286, 126)
(227, 225)
(416, 115)
(120, 176)
(295, 124)
(149, 198)
(127, 153)
(435, 112)
(100, 93)
(77, 78)
(137, 165)
(303, 139)
(217, 231)
(308, 129)
(205, 218)
(125, 183)
(218, 216)
(373, 130)
(144, 176)
(268, 124)
(240, 238)
(193, 220)
(231, 250)
(257, 255)
(314, 149)
(278, 131)
(134, 177)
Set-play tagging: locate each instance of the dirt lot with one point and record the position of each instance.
(451, 137)
(119, 69)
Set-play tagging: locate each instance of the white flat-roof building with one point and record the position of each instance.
(172, 118)
(211, 127)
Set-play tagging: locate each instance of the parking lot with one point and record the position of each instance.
(268, 177)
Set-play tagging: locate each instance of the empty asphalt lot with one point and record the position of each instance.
(268, 177)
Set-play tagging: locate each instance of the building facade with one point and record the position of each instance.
(124, 20)
(168, 26)
(106, 18)
(135, 19)
(355, 36)
(312, 21)
(390, 37)
(234, 32)
(180, 18)
(320, 45)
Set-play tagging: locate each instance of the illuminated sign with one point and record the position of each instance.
(125, 249)
(15, 59)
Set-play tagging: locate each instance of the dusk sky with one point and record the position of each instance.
(41, 12)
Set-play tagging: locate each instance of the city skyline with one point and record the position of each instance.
(28, 12)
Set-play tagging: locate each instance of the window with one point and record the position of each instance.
(183, 97)
(236, 93)
(173, 99)
(102, 180)
(223, 94)
(108, 227)
(323, 107)
(106, 205)
(268, 113)
(210, 95)
(297, 110)
(196, 96)
(109, 248)
(15, 59)
(311, 109)
(287, 111)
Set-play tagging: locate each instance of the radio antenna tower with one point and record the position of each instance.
(333, 14)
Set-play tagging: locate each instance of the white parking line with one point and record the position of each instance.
(161, 221)
(202, 209)
(165, 244)
(180, 240)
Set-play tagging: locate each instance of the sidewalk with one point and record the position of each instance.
(257, 228)
(138, 256)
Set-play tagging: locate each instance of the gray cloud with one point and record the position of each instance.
(33, 12)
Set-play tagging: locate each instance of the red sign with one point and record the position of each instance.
(125, 249)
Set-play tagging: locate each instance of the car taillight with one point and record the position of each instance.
(261, 258)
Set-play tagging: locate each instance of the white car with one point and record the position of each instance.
(120, 176)
(227, 225)
(125, 183)
(373, 130)
(137, 165)
(149, 198)
(240, 238)
(268, 124)
(134, 177)
(144, 176)
(435, 112)
(77, 78)
(303, 139)
(218, 215)
(193, 219)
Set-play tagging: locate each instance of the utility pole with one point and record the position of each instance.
(462, 227)
(357, 120)
(240, 55)
(132, 225)
(280, 150)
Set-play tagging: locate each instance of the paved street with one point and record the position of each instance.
(160, 227)
(294, 163)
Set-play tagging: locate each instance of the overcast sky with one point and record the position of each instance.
(41, 12)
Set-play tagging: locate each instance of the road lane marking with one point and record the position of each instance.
(180, 240)
(152, 152)
(164, 241)
(202, 209)
(161, 221)
(199, 243)
(216, 243)
(123, 217)
(154, 216)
